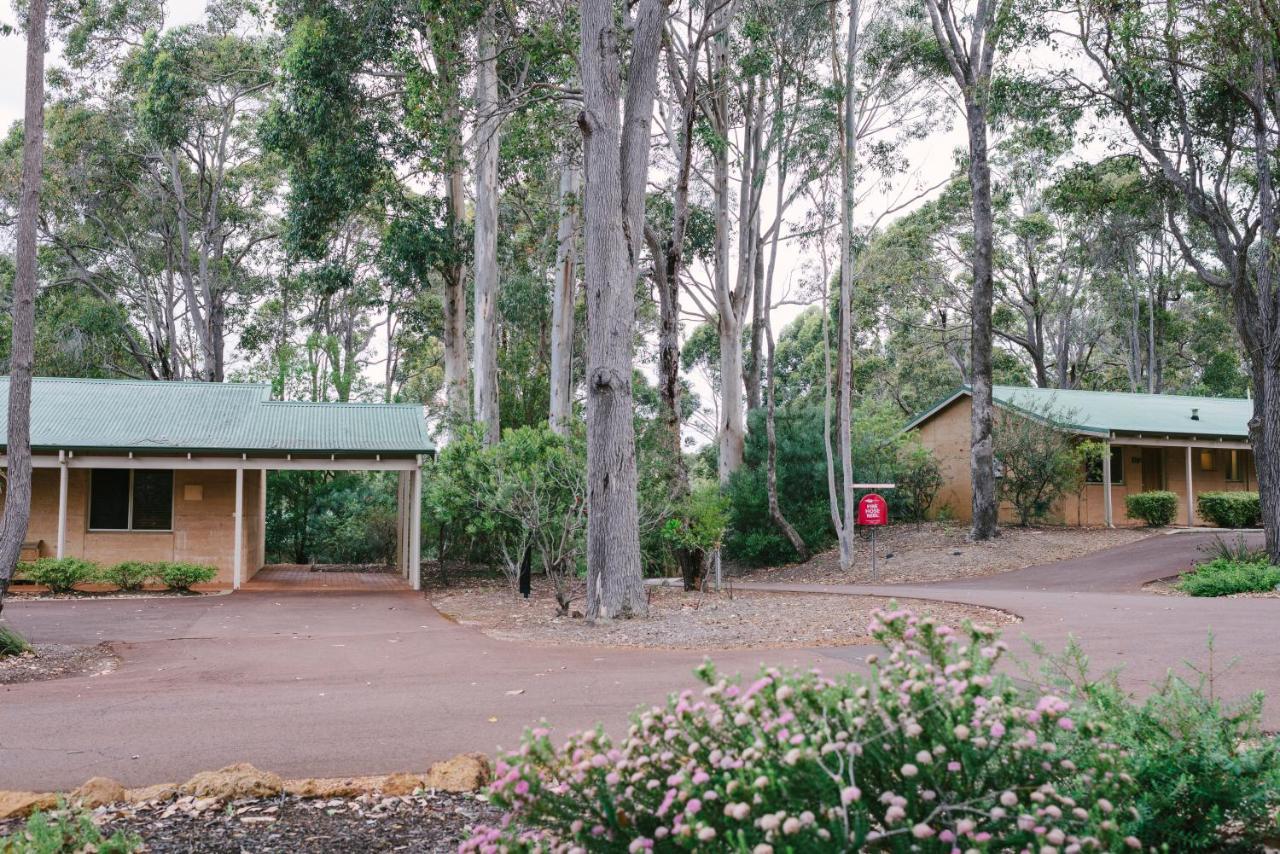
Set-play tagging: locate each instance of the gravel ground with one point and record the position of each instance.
(110, 594)
(426, 822)
(55, 660)
(938, 551)
(697, 620)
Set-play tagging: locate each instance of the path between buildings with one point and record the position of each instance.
(328, 684)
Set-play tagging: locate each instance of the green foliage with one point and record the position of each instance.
(1207, 777)
(331, 517)
(1237, 549)
(60, 575)
(127, 575)
(1230, 509)
(919, 478)
(66, 830)
(699, 523)
(904, 759)
(180, 576)
(1038, 463)
(1157, 508)
(12, 643)
(1224, 577)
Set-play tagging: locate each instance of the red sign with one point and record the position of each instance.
(873, 510)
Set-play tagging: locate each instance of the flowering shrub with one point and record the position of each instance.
(934, 751)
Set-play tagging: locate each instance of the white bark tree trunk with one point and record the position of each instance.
(562, 300)
(848, 182)
(616, 164)
(17, 494)
(486, 230)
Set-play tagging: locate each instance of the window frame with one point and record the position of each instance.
(88, 515)
(1117, 470)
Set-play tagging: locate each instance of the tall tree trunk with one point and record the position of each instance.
(844, 371)
(771, 475)
(982, 460)
(616, 165)
(759, 308)
(1265, 425)
(486, 230)
(17, 493)
(456, 368)
(562, 300)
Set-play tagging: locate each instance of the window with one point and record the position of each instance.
(1207, 462)
(131, 500)
(1235, 466)
(1093, 474)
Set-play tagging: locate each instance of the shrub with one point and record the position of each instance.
(919, 479)
(128, 575)
(1040, 463)
(1207, 779)
(1238, 550)
(696, 529)
(60, 575)
(1230, 509)
(66, 830)
(180, 576)
(1156, 508)
(12, 643)
(935, 750)
(1223, 577)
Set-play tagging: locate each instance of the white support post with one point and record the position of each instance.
(262, 521)
(237, 572)
(1191, 495)
(402, 530)
(1106, 485)
(415, 527)
(62, 504)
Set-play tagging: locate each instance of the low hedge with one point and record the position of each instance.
(180, 576)
(1230, 509)
(1156, 508)
(60, 575)
(129, 574)
(1223, 577)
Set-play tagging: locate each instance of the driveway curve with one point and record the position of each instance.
(331, 684)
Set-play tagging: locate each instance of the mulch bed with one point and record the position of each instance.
(695, 620)
(41, 593)
(55, 661)
(939, 551)
(428, 822)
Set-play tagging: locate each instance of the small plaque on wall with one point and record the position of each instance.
(193, 492)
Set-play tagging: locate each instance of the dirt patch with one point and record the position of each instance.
(427, 821)
(697, 620)
(938, 551)
(56, 661)
(81, 595)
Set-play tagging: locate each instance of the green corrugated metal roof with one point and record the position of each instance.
(1104, 412)
(137, 415)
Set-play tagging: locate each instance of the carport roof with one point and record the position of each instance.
(143, 416)
(1106, 413)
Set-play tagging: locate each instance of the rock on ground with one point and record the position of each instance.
(466, 772)
(241, 780)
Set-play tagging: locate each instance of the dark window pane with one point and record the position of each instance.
(109, 499)
(152, 500)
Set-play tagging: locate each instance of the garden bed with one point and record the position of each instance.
(426, 821)
(102, 591)
(938, 551)
(55, 661)
(695, 620)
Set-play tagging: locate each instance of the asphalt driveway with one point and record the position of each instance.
(328, 684)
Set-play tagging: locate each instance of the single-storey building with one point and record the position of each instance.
(177, 471)
(1187, 445)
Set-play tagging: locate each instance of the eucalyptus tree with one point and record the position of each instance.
(371, 96)
(616, 120)
(199, 91)
(1196, 89)
(17, 491)
(488, 124)
(968, 37)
